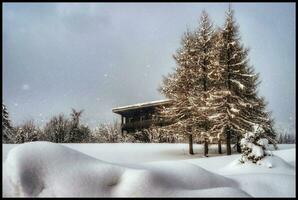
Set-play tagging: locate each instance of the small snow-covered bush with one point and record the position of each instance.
(254, 147)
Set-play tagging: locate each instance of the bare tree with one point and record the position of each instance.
(108, 133)
(57, 129)
(27, 132)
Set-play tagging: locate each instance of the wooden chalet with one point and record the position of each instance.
(141, 116)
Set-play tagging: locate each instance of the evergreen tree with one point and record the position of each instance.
(7, 132)
(191, 81)
(235, 106)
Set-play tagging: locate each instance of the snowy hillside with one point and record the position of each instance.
(141, 170)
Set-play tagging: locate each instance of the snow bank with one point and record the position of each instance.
(147, 152)
(260, 181)
(48, 169)
(267, 185)
(42, 169)
(278, 165)
(141, 170)
(133, 153)
(288, 155)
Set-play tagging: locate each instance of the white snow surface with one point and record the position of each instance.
(44, 169)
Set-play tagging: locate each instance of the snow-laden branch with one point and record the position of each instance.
(240, 85)
(248, 75)
(236, 64)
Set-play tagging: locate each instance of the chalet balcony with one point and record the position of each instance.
(138, 125)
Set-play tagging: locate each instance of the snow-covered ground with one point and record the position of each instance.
(141, 170)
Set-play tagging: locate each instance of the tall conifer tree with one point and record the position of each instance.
(6, 126)
(235, 106)
(189, 84)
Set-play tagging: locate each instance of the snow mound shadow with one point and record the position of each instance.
(44, 169)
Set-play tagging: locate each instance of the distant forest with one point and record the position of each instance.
(63, 129)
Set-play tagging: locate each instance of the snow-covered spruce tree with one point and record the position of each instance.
(7, 131)
(189, 84)
(254, 146)
(235, 106)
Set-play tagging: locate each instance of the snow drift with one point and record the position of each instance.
(48, 169)
(44, 169)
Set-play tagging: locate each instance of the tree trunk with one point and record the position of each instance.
(238, 145)
(190, 144)
(219, 147)
(206, 148)
(229, 152)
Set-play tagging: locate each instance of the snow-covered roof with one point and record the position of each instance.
(141, 105)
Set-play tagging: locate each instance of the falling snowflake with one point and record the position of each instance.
(25, 87)
(290, 118)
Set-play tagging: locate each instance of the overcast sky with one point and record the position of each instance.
(97, 56)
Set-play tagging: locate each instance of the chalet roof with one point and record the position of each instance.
(141, 105)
